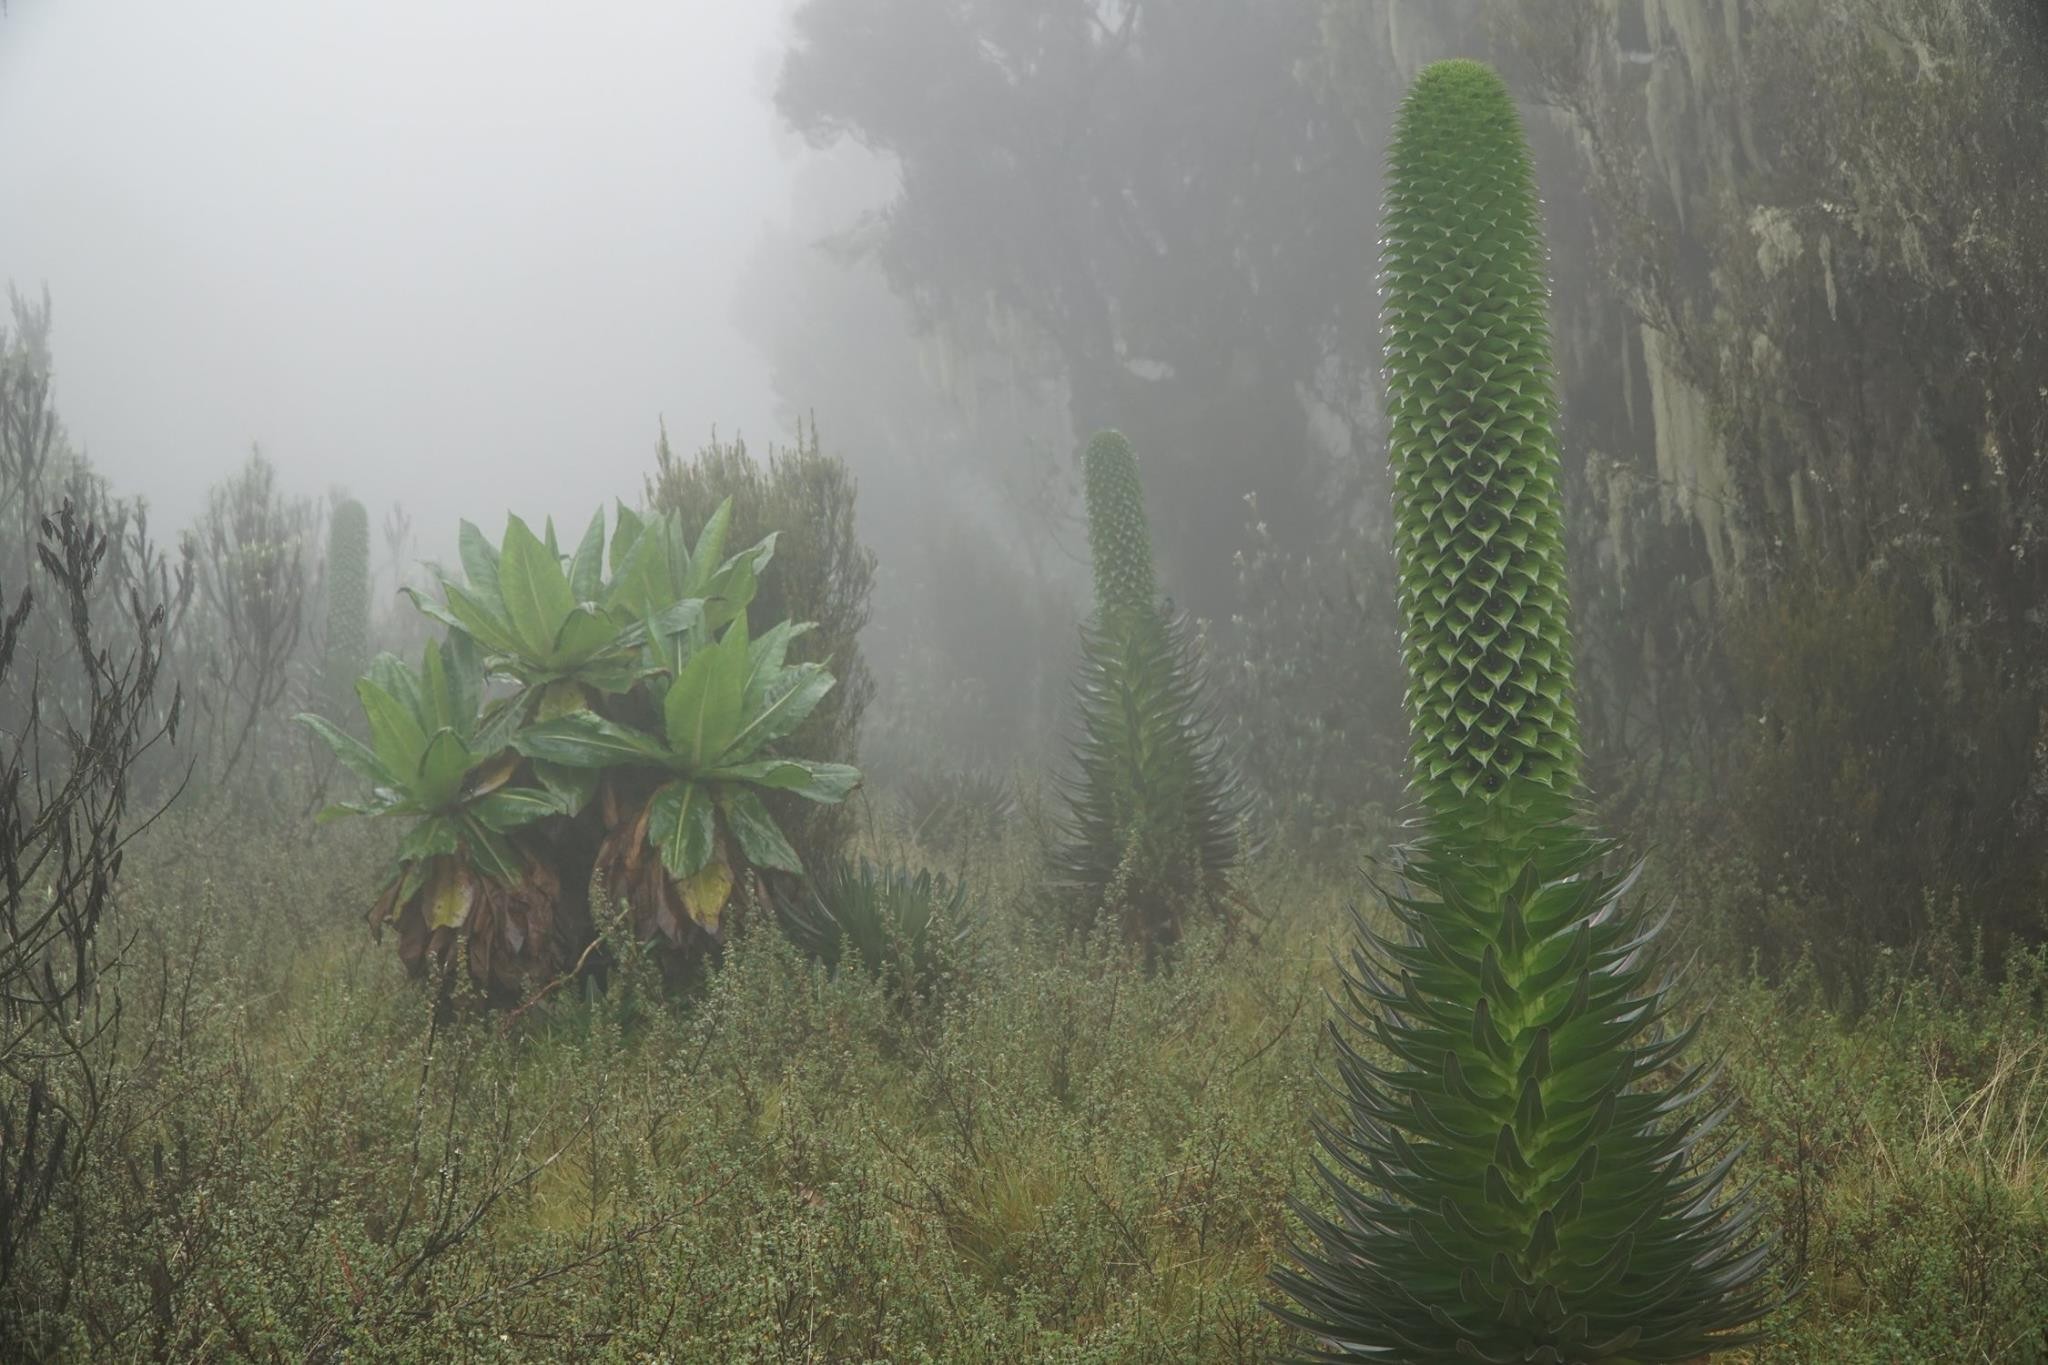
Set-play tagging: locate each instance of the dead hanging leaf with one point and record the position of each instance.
(386, 903)
(450, 892)
(483, 922)
(636, 840)
(493, 775)
(706, 891)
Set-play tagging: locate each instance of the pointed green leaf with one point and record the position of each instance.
(511, 807)
(536, 590)
(468, 613)
(480, 567)
(788, 704)
(586, 570)
(337, 810)
(442, 766)
(681, 825)
(625, 535)
(583, 634)
(429, 837)
(829, 783)
(587, 740)
(394, 734)
(706, 554)
(761, 839)
(572, 788)
(350, 750)
(702, 709)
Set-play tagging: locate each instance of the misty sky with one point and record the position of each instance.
(461, 253)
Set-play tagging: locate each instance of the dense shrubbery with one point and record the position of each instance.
(1308, 676)
(823, 574)
(1879, 771)
(1068, 1160)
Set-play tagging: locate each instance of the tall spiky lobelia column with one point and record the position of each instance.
(1119, 542)
(347, 652)
(1517, 1174)
(1156, 817)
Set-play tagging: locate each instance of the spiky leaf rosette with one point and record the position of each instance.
(1156, 816)
(1522, 1176)
(347, 651)
(1118, 540)
(1471, 416)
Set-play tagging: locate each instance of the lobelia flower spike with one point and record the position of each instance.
(1156, 817)
(347, 650)
(1518, 1173)
(1119, 542)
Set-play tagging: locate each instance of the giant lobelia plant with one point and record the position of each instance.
(1519, 1171)
(1156, 818)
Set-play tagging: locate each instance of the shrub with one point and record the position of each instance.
(1309, 672)
(823, 574)
(1878, 767)
(250, 553)
(66, 780)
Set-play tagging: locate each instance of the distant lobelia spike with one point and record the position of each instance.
(347, 651)
(1512, 1183)
(1155, 815)
(1118, 540)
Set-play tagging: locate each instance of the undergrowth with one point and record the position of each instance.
(1056, 1157)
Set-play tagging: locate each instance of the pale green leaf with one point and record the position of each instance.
(681, 825)
(536, 590)
(760, 838)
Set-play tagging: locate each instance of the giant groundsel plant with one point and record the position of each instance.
(635, 727)
(1519, 1172)
(1156, 817)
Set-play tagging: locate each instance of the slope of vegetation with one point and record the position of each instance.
(1060, 1159)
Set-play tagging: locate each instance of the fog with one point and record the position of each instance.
(463, 254)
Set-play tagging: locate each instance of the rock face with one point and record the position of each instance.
(1791, 275)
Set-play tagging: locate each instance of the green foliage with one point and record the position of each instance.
(1538, 1187)
(805, 499)
(1515, 1176)
(566, 633)
(463, 870)
(643, 716)
(1070, 1162)
(1309, 671)
(722, 706)
(347, 637)
(1878, 768)
(955, 807)
(1156, 817)
(908, 929)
